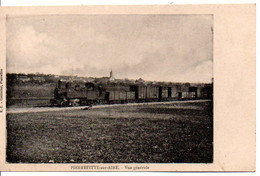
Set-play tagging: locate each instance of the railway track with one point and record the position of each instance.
(50, 109)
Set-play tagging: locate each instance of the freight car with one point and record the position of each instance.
(113, 97)
(79, 94)
(145, 93)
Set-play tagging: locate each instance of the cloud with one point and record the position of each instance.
(28, 49)
(203, 72)
(152, 47)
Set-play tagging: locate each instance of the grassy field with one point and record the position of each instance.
(175, 133)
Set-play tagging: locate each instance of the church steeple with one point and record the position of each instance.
(111, 73)
(111, 78)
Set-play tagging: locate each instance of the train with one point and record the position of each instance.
(89, 93)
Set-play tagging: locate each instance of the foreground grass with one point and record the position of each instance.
(180, 133)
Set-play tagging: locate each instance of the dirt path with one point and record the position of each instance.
(47, 109)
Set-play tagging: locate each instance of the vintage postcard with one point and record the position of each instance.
(128, 88)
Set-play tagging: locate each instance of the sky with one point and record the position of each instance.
(176, 48)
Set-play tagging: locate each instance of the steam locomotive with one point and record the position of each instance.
(87, 94)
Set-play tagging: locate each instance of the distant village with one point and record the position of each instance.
(39, 78)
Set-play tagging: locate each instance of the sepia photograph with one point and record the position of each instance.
(109, 89)
(127, 88)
